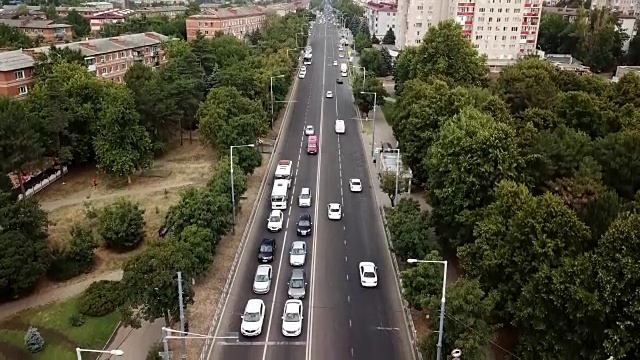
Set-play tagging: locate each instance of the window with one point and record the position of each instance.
(478, 37)
(504, 38)
(22, 90)
(516, 11)
(102, 58)
(499, 10)
(479, 28)
(490, 19)
(481, 19)
(417, 33)
(481, 10)
(491, 10)
(420, 7)
(103, 70)
(507, 10)
(498, 19)
(513, 37)
(122, 54)
(418, 25)
(19, 74)
(515, 28)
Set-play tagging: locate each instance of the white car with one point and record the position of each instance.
(341, 55)
(298, 253)
(368, 274)
(304, 200)
(329, 94)
(309, 130)
(262, 280)
(355, 185)
(340, 48)
(335, 63)
(253, 318)
(292, 318)
(340, 127)
(274, 222)
(334, 211)
(302, 74)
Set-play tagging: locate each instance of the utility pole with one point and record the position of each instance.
(184, 341)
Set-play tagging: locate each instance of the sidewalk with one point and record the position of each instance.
(135, 342)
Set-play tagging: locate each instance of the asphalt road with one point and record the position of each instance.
(342, 320)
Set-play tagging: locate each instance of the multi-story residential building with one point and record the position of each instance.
(503, 30)
(47, 30)
(36, 11)
(283, 9)
(100, 19)
(381, 17)
(16, 73)
(110, 58)
(168, 11)
(624, 7)
(569, 14)
(236, 21)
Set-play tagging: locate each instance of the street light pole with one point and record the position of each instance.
(442, 301)
(166, 336)
(116, 352)
(373, 134)
(272, 100)
(395, 198)
(233, 192)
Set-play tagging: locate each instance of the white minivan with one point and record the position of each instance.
(340, 129)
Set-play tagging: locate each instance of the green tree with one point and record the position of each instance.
(74, 258)
(619, 156)
(585, 112)
(150, 282)
(122, 145)
(156, 110)
(470, 155)
(220, 184)
(627, 90)
(375, 40)
(387, 63)
(527, 84)
(203, 208)
(371, 59)
(409, 230)
(12, 38)
(422, 281)
(227, 118)
(81, 26)
(365, 101)
(467, 320)
(555, 34)
(45, 62)
(121, 225)
(388, 184)
(389, 38)
(23, 239)
(405, 68)
(445, 52)
(361, 42)
(202, 243)
(601, 38)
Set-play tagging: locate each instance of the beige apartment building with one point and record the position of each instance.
(168, 11)
(110, 58)
(16, 73)
(49, 31)
(503, 30)
(236, 21)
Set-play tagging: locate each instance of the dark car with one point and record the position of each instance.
(339, 80)
(304, 225)
(266, 250)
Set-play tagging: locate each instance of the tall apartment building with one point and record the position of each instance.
(504, 30)
(236, 21)
(380, 17)
(625, 7)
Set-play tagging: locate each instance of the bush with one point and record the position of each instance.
(76, 320)
(33, 340)
(154, 352)
(74, 259)
(121, 225)
(101, 298)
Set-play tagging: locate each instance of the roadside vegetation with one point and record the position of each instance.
(534, 187)
(162, 193)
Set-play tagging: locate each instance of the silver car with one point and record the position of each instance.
(262, 280)
(297, 284)
(298, 253)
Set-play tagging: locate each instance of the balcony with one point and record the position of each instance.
(138, 56)
(91, 67)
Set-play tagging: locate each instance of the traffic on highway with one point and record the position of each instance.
(315, 278)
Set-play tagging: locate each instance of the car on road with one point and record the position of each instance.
(267, 250)
(339, 80)
(340, 48)
(341, 55)
(309, 130)
(355, 185)
(292, 318)
(368, 274)
(297, 284)
(262, 280)
(304, 200)
(253, 318)
(302, 74)
(329, 94)
(298, 253)
(334, 211)
(304, 225)
(340, 127)
(275, 220)
(335, 62)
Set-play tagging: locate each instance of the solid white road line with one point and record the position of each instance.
(315, 231)
(265, 343)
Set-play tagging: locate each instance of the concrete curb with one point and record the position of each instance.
(113, 335)
(411, 330)
(245, 234)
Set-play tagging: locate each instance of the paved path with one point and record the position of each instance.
(135, 342)
(53, 295)
(82, 197)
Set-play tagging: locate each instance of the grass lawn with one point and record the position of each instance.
(387, 110)
(60, 337)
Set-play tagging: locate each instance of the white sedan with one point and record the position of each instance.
(274, 222)
(309, 130)
(334, 211)
(368, 274)
(253, 318)
(335, 63)
(329, 94)
(301, 75)
(355, 185)
(292, 318)
(341, 55)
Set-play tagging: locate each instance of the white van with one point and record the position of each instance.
(339, 126)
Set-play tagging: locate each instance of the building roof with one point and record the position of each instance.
(108, 45)
(15, 60)
(229, 13)
(382, 6)
(161, 9)
(37, 24)
(113, 13)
